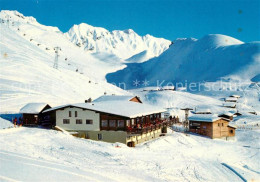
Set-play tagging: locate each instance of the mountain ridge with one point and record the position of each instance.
(123, 43)
(210, 58)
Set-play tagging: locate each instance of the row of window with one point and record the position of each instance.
(220, 124)
(76, 114)
(78, 121)
(114, 123)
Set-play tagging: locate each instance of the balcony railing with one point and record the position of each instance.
(148, 128)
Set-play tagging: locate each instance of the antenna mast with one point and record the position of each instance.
(56, 60)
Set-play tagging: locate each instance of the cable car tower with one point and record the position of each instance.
(186, 122)
(56, 60)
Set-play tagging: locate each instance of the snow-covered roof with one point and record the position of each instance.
(229, 104)
(226, 113)
(33, 108)
(117, 107)
(200, 110)
(168, 87)
(114, 98)
(150, 88)
(231, 125)
(205, 117)
(236, 96)
(231, 99)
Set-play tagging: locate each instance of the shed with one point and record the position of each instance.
(211, 126)
(33, 113)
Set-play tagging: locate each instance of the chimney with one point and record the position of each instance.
(89, 100)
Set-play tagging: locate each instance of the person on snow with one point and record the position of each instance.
(15, 122)
(20, 121)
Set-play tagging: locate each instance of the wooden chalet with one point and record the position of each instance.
(211, 126)
(122, 119)
(33, 113)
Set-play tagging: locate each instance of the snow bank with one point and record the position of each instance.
(4, 124)
(54, 156)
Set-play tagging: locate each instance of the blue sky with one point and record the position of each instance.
(169, 19)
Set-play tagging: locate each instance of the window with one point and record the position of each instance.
(218, 124)
(127, 122)
(89, 121)
(76, 113)
(112, 123)
(66, 121)
(78, 121)
(104, 123)
(69, 113)
(121, 123)
(99, 136)
(231, 131)
(222, 124)
(133, 122)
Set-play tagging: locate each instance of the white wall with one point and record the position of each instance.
(86, 114)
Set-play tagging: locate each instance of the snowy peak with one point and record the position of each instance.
(123, 44)
(128, 31)
(218, 40)
(208, 41)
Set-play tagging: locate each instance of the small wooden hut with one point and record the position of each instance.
(32, 113)
(211, 126)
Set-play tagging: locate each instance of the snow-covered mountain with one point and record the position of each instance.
(26, 66)
(124, 44)
(140, 57)
(207, 59)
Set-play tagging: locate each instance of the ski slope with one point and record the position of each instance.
(27, 73)
(41, 155)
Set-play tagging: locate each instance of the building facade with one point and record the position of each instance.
(213, 127)
(118, 119)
